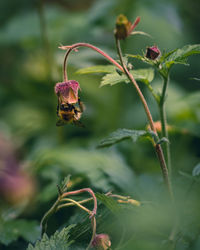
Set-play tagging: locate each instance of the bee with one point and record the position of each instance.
(69, 113)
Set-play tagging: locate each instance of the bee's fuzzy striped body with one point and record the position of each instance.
(69, 113)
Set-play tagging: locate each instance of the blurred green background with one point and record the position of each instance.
(38, 155)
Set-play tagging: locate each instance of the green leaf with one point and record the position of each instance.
(115, 206)
(120, 135)
(97, 69)
(112, 79)
(11, 212)
(11, 230)
(109, 202)
(165, 55)
(58, 241)
(144, 59)
(111, 168)
(65, 183)
(180, 56)
(143, 75)
(196, 170)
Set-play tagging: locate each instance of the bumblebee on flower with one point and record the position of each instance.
(70, 107)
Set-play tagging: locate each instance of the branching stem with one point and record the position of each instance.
(74, 203)
(82, 191)
(158, 148)
(124, 69)
(48, 214)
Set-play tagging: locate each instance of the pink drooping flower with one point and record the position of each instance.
(67, 91)
(101, 242)
(152, 52)
(16, 186)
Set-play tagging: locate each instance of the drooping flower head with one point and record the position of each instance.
(152, 52)
(67, 91)
(101, 242)
(124, 27)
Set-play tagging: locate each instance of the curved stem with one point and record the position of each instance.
(81, 191)
(48, 214)
(94, 227)
(163, 119)
(158, 148)
(75, 203)
(76, 45)
(131, 78)
(80, 202)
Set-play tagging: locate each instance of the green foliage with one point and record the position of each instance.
(13, 229)
(97, 69)
(31, 65)
(185, 112)
(109, 202)
(110, 168)
(113, 77)
(63, 186)
(179, 56)
(143, 75)
(120, 135)
(59, 240)
(196, 170)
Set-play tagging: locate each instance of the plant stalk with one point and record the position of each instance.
(74, 203)
(76, 45)
(124, 69)
(163, 119)
(158, 148)
(94, 226)
(45, 218)
(81, 191)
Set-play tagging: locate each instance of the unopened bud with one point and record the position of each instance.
(124, 27)
(101, 242)
(152, 52)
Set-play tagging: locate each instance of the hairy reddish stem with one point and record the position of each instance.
(158, 148)
(82, 191)
(76, 45)
(94, 226)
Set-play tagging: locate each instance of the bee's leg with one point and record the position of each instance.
(71, 107)
(81, 105)
(58, 107)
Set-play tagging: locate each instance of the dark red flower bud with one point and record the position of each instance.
(152, 52)
(67, 91)
(101, 242)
